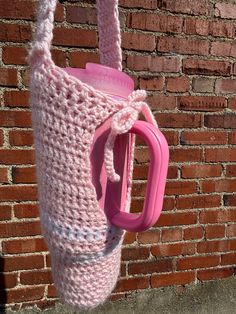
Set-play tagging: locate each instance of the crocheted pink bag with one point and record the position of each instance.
(85, 248)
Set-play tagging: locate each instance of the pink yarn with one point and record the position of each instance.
(85, 248)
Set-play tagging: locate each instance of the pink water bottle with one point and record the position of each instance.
(112, 195)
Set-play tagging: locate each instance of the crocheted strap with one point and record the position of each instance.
(108, 27)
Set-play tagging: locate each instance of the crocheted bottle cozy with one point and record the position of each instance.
(85, 248)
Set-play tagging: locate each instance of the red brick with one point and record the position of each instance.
(173, 249)
(141, 155)
(41, 304)
(18, 157)
(137, 41)
(26, 211)
(162, 102)
(10, 118)
(5, 212)
(198, 201)
(132, 284)
(52, 292)
(36, 278)
(225, 86)
(25, 77)
(193, 233)
(185, 155)
(24, 175)
(201, 171)
(156, 22)
(193, 7)
(176, 219)
(178, 120)
(228, 259)
(152, 83)
(232, 138)
(222, 29)
(229, 200)
(130, 237)
(221, 154)
(17, 9)
(129, 254)
(159, 266)
(59, 57)
(203, 137)
(8, 281)
(203, 84)
(190, 46)
(1, 138)
(215, 216)
(226, 121)
(18, 193)
(23, 294)
(171, 235)
(14, 55)
(225, 10)
(149, 237)
(231, 170)
(8, 77)
(215, 231)
(202, 103)
(16, 229)
(23, 262)
(76, 14)
(206, 67)
(4, 175)
(223, 49)
(214, 274)
(180, 187)
(177, 84)
(172, 172)
(154, 63)
(196, 27)
(179, 278)
(74, 37)
(216, 246)
(145, 4)
(232, 103)
(171, 137)
(80, 58)
(198, 262)
(231, 230)
(21, 138)
(16, 98)
(218, 186)
(169, 203)
(24, 246)
(15, 33)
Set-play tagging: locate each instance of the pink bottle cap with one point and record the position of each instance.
(105, 79)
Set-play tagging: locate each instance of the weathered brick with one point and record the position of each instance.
(24, 175)
(178, 120)
(203, 137)
(137, 41)
(183, 45)
(186, 155)
(161, 102)
(231, 230)
(171, 235)
(171, 249)
(21, 138)
(215, 231)
(225, 86)
(223, 49)
(15, 33)
(145, 4)
(16, 98)
(75, 14)
(18, 193)
(202, 103)
(18, 157)
(226, 121)
(26, 211)
(152, 83)
(24, 246)
(222, 29)
(231, 170)
(222, 185)
(198, 201)
(201, 171)
(154, 63)
(149, 237)
(186, 6)
(214, 274)
(14, 55)
(23, 294)
(177, 84)
(195, 26)
(5, 212)
(80, 58)
(216, 246)
(23, 262)
(132, 284)
(228, 259)
(221, 154)
(193, 233)
(3, 175)
(203, 84)
(217, 216)
(36, 278)
(8, 77)
(12, 118)
(225, 10)
(74, 37)
(156, 22)
(180, 187)
(176, 219)
(150, 267)
(206, 67)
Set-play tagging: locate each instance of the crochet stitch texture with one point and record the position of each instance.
(85, 248)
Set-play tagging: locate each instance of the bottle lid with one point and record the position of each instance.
(107, 80)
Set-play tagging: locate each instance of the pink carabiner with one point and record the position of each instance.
(157, 174)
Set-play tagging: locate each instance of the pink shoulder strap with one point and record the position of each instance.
(108, 27)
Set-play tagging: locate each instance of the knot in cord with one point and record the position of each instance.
(122, 122)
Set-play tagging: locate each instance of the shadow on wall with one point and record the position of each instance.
(3, 294)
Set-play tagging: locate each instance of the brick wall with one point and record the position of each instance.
(184, 54)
